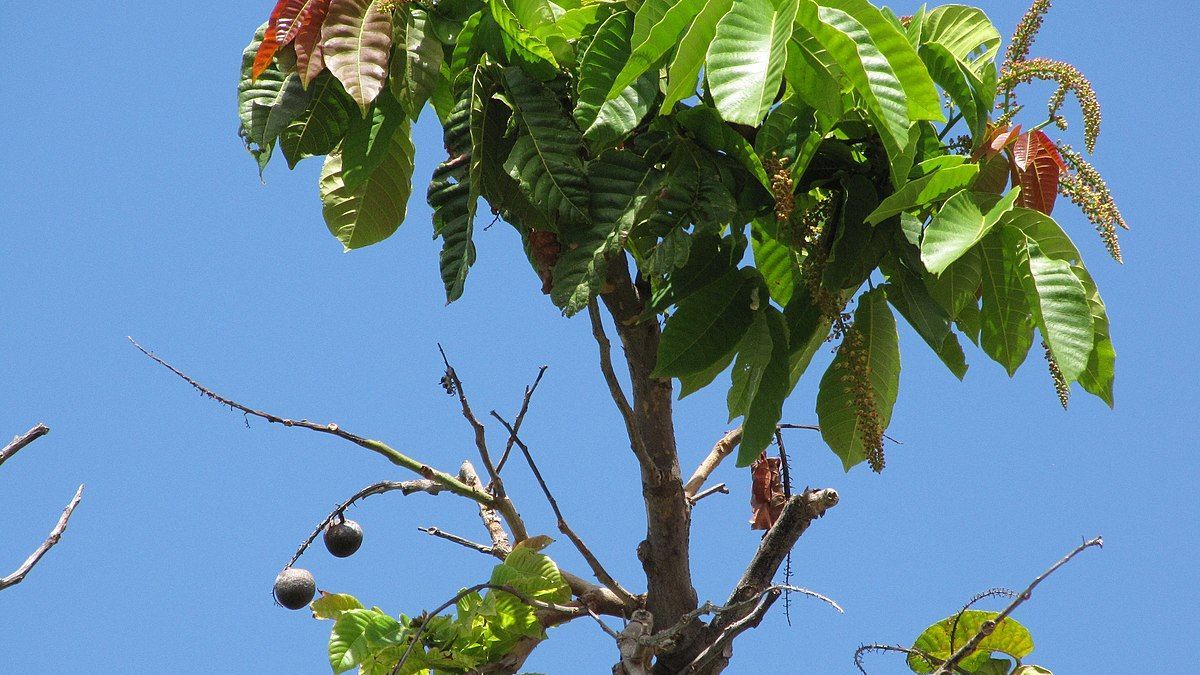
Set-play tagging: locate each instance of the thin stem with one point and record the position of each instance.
(520, 417)
(954, 119)
(467, 543)
(614, 387)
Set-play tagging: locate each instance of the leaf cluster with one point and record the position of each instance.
(761, 162)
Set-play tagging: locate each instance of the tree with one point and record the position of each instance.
(737, 183)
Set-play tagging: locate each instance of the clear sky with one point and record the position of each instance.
(128, 207)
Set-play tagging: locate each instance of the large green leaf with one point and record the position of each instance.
(710, 131)
(958, 285)
(547, 159)
(619, 180)
(925, 191)
(792, 131)
(966, 32)
(520, 43)
(838, 399)
(1097, 378)
(746, 58)
(656, 29)
(689, 55)
(371, 210)
(1006, 323)
(779, 264)
(356, 635)
(1041, 228)
(693, 192)
(356, 41)
(333, 605)
(708, 324)
(1008, 637)
(765, 408)
(368, 140)
(753, 357)
(604, 120)
(964, 220)
(417, 65)
(909, 296)
(453, 196)
(322, 126)
(964, 88)
(256, 95)
(1059, 303)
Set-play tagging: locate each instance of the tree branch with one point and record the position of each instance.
(989, 626)
(719, 488)
(721, 648)
(593, 562)
(615, 390)
(392, 455)
(482, 548)
(497, 483)
(19, 442)
(719, 452)
(406, 487)
(55, 535)
(520, 417)
(866, 649)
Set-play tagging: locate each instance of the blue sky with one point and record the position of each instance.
(130, 208)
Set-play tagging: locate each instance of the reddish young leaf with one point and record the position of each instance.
(1036, 168)
(306, 33)
(297, 16)
(997, 140)
(356, 40)
(766, 492)
(269, 45)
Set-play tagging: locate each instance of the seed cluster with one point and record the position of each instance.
(857, 379)
(1060, 383)
(1068, 78)
(783, 186)
(1084, 186)
(1026, 33)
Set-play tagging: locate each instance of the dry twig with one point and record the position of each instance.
(55, 535)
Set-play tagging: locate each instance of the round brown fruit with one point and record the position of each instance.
(295, 588)
(343, 538)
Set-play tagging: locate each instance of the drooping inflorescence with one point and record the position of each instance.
(1068, 78)
(1086, 188)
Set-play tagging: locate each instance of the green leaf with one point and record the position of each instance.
(1031, 670)
(837, 408)
(533, 574)
(964, 220)
(707, 325)
(322, 126)
(908, 295)
(1043, 229)
(1060, 306)
(373, 209)
(1006, 324)
(656, 29)
(546, 160)
(368, 140)
(958, 285)
(689, 55)
(356, 635)
(690, 384)
(858, 247)
(753, 357)
(779, 264)
(253, 96)
(606, 120)
(1097, 378)
(925, 191)
(766, 407)
(356, 41)
(714, 134)
(417, 66)
(793, 131)
(966, 32)
(619, 182)
(693, 192)
(333, 605)
(522, 45)
(963, 87)
(746, 58)
(1009, 637)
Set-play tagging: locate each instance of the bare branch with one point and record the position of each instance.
(441, 534)
(989, 626)
(989, 593)
(614, 388)
(394, 456)
(406, 487)
(55, 535)
(598, 569)
(720, 451)
(719, 488)
(867, 649)
(19, 442)
(520, 417)
(721, 647)
(496, 486)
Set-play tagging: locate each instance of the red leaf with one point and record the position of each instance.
(299, 15)
(307, 36)
(356, 41)
(996, 141)
(766, 492)
(1036, 168)
(546, 249)
(269, 45)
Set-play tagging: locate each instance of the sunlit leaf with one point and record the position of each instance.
(356, 41)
